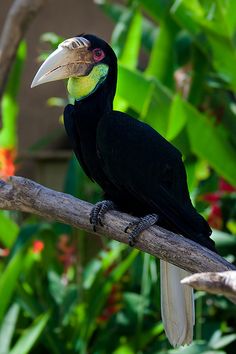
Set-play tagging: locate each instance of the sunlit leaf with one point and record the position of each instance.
(130, 52)
(224, 240)
(30, 335)
(9, 104)
(8, 280)
(197, 347)
(161, 62)
(176, 121)
(124, 349)
(8, 230)
(222, 341)
(8, 327)
(56, 102)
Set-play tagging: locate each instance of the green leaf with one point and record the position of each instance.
(9, 105)
(102, 263)
(177, 120)
(30, 335)
(197, 347)
(99, 293)
(8, 327)
(8, 280)
(216, 23)
(57, 288)
(161, 62)
(130, 52)
(149, 335)
(116, 11)
(151, 101)
(52, 38)
(224, 63)
(207, 141)
(119, 34)
(157, 9)
(188, 14)
(224, 239)
(223, 341)
(124, 349)
(128, 81)
(8, 230)
(26, 233)
(56, 102)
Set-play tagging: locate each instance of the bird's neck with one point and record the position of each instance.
(100, 102)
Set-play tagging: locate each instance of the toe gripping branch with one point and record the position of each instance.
(98, 212)
(101, 208)
(136, 227)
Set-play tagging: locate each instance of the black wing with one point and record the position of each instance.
(140, 161)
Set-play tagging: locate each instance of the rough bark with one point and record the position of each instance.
(214, 283)
(17, 21)
(27, 196)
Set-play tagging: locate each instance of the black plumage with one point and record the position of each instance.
(136, 167)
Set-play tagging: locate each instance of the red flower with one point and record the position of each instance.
(211, 197)
(215, 218)
(7, 166)
(113, 304)
(38, 246)
(67, 252)
(225, 186)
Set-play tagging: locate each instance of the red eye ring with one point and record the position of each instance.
(98, 54)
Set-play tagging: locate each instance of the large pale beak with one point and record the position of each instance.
(72, 58)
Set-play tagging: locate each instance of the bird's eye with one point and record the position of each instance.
(98, 54)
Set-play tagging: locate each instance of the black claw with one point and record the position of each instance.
(130, 225)
(131, 242)
(98, 212)
(126, 229)
(139, 226)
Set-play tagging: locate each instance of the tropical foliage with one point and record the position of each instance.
(64, 292)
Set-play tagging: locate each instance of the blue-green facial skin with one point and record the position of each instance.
(84, 86)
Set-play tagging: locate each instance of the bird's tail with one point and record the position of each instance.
(177, 305)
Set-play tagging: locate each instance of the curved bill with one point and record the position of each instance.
(71, 59)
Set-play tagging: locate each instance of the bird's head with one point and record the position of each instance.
(87, 61)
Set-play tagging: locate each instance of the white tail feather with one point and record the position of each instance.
(177, 305)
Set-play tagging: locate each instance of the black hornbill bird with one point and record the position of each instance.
(139, 171)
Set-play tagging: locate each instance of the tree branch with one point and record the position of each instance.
(25, 195)
(17, 21)
(214, 283)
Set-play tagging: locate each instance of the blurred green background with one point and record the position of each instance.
(64, 291)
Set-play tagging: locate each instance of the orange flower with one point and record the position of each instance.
(7, 166)
(38, 246)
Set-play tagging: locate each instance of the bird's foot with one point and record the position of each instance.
(98, 212)
(136, 227)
